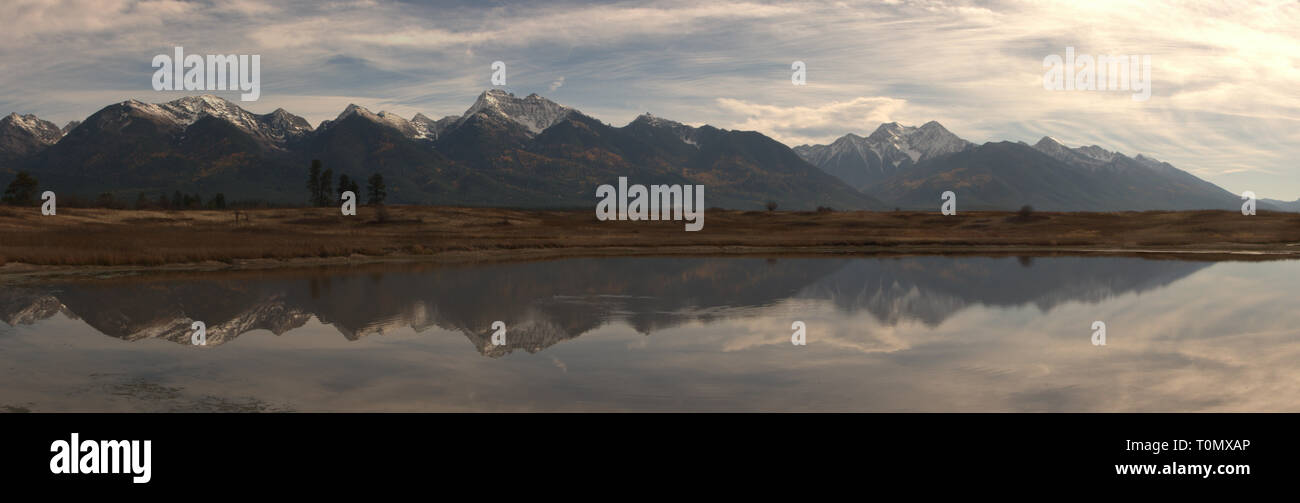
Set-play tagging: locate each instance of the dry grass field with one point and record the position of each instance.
(102, 237)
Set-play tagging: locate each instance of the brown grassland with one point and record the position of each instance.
(145, 239)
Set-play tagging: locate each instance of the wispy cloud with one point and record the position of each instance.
(1223, 105)
(804, 124)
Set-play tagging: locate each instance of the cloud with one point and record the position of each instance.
(796, 125)
(1223, 104)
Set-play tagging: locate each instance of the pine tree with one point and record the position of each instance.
(313, 183)
(375, 188)
(345, 184)
(22, 190)
(326, 188)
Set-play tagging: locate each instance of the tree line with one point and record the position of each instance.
(320, 187)
(24, 190)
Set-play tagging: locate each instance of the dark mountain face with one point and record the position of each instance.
(1141, 183)
(910, 167)
(504, 151)
(358, 146)
(24, 135)
(1006, 176)
(134, 147)
(572, 154)
(120, 144)
(993, 176)
(750, 167)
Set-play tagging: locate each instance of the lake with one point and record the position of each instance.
(933, 333)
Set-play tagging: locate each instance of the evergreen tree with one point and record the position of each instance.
(326, 188)
(375, 188)
(345, 184)
(313, 183)
(22, 190)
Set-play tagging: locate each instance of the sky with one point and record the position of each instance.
(1225, 76)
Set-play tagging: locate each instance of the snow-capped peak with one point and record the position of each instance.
(190, 109)
(1090, 155)
(890, 130)
(917, 143)
(355, 109)
(1053, 147)
(426, 128)
(533, 112)
(397, 122)
(688, 134)
(1048, 140)
(416, 128)
(1097, 153)
(887, 150)
(42, 131)
(275, 126)
(650, 119)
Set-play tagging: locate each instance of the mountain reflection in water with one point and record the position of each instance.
(692, 333)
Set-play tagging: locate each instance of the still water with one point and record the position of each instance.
(666, 334)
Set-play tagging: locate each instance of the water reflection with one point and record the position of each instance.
(544, 303)
(915, 333)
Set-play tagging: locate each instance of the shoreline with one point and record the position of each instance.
(21, 273)
(100, 242)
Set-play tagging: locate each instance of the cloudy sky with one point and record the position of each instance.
(1225, 101)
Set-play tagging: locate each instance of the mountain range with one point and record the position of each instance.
(909, 167)
(532, 152)
(503, 151)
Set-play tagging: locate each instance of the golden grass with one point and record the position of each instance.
(147, 238)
